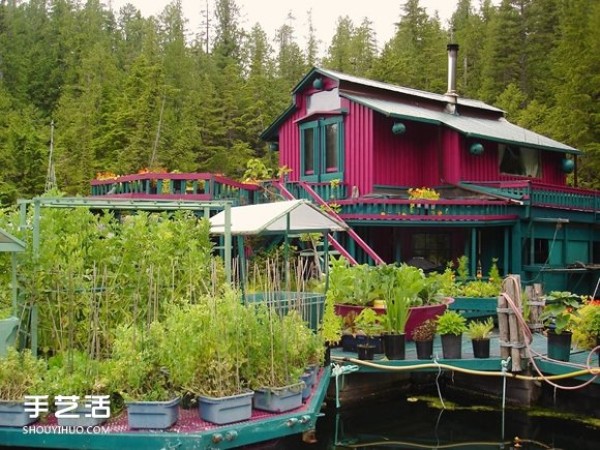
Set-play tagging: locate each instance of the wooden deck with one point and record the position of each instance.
(492, 364)
(189, 432)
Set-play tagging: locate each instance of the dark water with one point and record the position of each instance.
(403, 424)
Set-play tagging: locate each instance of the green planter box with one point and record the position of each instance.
(8, 333)
(475, 307)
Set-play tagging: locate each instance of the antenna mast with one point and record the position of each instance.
(51, 175)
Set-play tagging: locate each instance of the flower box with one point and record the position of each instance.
(156, 415)
(13, 414)
(222, 410)
(279, 399)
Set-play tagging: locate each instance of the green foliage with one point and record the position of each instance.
(480, 329)
(21, 374)
(93, 273)
(560, 310)
(369, 323)
(451, 322)
(587, 329)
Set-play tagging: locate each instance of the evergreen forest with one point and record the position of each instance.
(114, 91)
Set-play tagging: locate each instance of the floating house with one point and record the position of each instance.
(365, 146)
(419, 177)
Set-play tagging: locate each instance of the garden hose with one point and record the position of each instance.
(591, 371)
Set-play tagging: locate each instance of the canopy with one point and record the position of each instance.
(9, 243)
(304, 217)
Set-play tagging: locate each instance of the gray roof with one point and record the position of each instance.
(408, 91)
(9, 243)
(499, 130)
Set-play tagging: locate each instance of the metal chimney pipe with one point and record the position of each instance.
(452, 57)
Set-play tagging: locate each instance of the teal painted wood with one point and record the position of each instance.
(473, 307)
(271, 426)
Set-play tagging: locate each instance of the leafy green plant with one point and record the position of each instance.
(587, 329)
(331, 324)
(399, 287)
(21, 374)
(451, 322)
(479, 329)
(560, 310)
(368, 323)
(137, 369)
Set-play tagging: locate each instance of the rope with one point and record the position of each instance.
(337, 371)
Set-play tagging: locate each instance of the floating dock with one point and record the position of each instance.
(189, 432)
(358, 380)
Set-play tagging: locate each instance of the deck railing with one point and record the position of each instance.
(181, 186)
(541, 194)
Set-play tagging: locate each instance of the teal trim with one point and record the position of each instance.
(319, 153)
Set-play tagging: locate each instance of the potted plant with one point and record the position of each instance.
(21, 374)
(369, 324)
(142, 379)
(558, 318)
(205, 351)
(588, 325)
(423, 336)
(451, 326)
(480, 332)
(331, 327)
(400, 286)
(276, 359)
(86, 381)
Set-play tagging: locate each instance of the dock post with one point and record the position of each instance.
(536, 303)
(512, 340)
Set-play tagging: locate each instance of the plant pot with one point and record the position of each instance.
(481, 348)
(12, 414)
(279, 399)
(8, 333)
(452, 346)
(84, 418)
(229, 409)
(559, 345)
(306, 378)
(365, 352)
(375, 341)
(157, 415)
(348, 343)
(394, 346)
(424, 349)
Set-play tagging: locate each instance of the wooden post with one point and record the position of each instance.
(536, 306)
(512, 341)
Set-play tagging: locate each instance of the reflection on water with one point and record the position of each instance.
(403, 424)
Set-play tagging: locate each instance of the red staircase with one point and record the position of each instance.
(335, 244)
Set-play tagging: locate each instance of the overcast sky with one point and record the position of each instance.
(271, 14)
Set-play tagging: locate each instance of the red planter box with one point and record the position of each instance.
(418, 314)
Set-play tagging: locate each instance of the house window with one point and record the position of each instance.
(521, 161)
(322, 149)
(541, 249)
(434, 247)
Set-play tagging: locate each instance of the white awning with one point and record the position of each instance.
(304, 217)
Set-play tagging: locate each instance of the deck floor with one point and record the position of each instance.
(494, 363)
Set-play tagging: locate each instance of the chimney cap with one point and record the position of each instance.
(451, 47)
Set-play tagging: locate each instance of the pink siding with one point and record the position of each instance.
(289, 141)
(451, 157)
(485, 167)
(358, 140)
(409, 159)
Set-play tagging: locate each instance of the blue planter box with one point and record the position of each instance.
(82, 420)
(279, 399)
(12, 414)
(222, 410)
(157, 415)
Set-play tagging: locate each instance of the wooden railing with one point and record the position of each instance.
(191, 186)
(540, 194)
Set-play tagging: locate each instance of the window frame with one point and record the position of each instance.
(320, 170)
